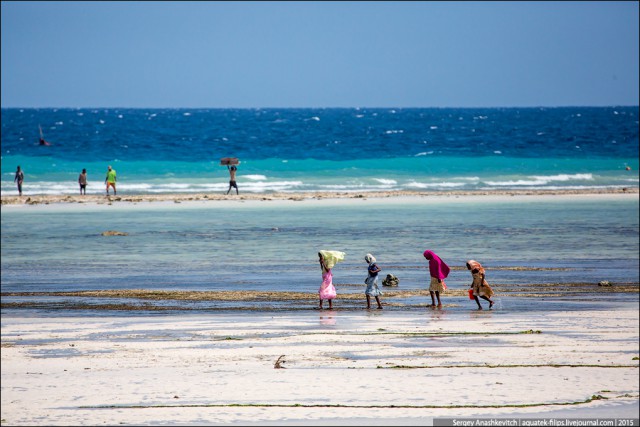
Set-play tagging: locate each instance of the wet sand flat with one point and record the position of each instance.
(349, 367)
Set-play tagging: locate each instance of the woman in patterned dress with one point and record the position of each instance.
(372, 281)
(479, 285)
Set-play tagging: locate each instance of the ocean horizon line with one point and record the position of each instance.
(495, 107)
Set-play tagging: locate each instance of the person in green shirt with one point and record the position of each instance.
(110, 180)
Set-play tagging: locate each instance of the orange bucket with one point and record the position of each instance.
(471, 293)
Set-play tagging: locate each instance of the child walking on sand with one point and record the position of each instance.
(327, 260)
(479, 285)
(438, 271)
(372, 281)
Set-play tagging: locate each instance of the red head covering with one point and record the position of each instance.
(437, 267)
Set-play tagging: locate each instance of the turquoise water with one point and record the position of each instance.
(271, 246)
(349, 150)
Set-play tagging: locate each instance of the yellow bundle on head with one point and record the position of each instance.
(332, 257)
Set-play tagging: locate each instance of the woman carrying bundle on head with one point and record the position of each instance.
(372, 281)
(327, 260)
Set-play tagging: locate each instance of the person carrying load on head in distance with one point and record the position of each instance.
(231, 163)
(232, 178)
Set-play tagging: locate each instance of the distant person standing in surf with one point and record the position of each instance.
(110, 180)
(82, 180)
(19, 178)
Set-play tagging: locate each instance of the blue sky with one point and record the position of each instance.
(319, 54)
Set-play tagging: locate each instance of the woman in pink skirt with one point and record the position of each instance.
(327, 260)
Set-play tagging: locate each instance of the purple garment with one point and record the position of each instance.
(437, 267)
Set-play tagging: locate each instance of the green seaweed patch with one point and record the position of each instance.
(636, 358)
(551, 365)
(337, 405)
(429, 334)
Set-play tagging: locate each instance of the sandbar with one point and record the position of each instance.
(279, 196)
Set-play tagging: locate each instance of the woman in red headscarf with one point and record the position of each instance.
(479, 285)
(438, 271)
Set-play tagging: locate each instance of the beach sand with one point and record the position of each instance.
(182, 197)
(367, 367)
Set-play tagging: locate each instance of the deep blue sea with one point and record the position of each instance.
(342, 150)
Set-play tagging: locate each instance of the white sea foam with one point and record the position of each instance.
(270, 186)
(386, 181)
(542, 180)
(414, 184)
(352, 188)
(519, 182)
(566, 177)
(562, 187)
(255, 177)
